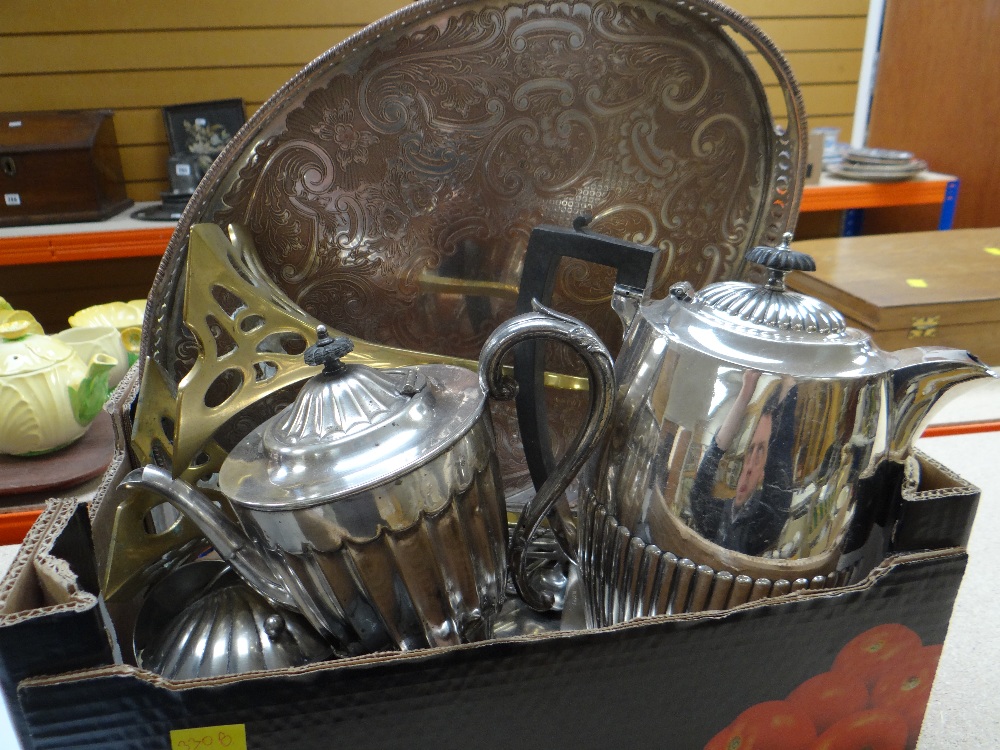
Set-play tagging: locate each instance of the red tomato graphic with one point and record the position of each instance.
(829, 697)
(868, 655)
(868, 730)
(906, 687)
(774, 725)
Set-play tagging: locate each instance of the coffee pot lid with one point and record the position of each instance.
(350, 428)
(771, 304)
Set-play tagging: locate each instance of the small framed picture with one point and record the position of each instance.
(202, 129)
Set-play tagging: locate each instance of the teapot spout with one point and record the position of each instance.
(923, 378)
(229, 540)
(89, 396)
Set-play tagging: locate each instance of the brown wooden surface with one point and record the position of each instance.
(876, 280)
(85, 459)
(937, 93)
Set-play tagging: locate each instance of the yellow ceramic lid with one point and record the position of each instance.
(31, 354)
(115, 314)
(17, 323)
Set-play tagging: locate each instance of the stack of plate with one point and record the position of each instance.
(876, 165)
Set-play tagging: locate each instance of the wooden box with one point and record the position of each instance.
(59, 167)
(913, 289)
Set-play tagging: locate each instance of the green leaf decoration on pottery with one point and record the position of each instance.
(88, 399)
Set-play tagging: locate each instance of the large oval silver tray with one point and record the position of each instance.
(390, 187)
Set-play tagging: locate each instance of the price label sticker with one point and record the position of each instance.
(12, 199)
(226, 737)
(917, 283)
(992, 250)
(182, 170)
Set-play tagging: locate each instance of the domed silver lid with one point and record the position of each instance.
(772, 305)
(201, 620)
(350, 428)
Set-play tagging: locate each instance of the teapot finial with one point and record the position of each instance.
(328, 351)
(779, 261)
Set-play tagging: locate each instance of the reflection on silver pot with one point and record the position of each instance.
(372, 505)
(755, 444)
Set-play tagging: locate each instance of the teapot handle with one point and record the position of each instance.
(546, 323)
(636, 265)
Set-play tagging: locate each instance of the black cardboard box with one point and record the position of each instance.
(672, 681)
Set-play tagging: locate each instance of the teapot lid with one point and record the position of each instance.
(31, 353)
(350, 428)
(771, 304)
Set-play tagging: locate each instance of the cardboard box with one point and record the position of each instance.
(670, 681)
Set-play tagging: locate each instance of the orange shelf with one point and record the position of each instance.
(833, 194)
(14, 526)
(961, 428)
(54, 248)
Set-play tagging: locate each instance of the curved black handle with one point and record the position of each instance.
(636, 265)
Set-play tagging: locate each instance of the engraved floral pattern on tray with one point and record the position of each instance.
(427, 156)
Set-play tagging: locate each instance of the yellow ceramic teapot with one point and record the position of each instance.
(48, 394)
(125, 316)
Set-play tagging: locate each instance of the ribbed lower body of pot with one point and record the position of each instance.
(625, 578)
(419, 562)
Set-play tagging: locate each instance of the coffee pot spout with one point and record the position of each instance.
(229, 540)
(925, 378)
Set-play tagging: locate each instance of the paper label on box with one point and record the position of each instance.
(12, 199)
(227, 736)
(917, 283)
(992, 250)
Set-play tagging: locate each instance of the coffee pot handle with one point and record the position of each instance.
(546, 323)
(636, 266)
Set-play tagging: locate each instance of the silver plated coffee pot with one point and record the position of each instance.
(755, 443)
(372, 505)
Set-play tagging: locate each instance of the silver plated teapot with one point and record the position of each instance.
(755, 446)
(372, 505)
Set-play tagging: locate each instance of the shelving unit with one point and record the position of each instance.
(119, 237)
(853, 197)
